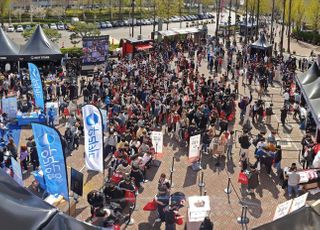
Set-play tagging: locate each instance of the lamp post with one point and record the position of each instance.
(133, 3)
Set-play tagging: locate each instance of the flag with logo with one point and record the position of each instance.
(51, 158)
(36, 85)
(93, 137)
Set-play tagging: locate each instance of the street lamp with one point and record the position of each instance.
(133, 3)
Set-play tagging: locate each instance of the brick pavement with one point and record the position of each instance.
(225, 209)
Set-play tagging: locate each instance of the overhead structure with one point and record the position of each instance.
(309, 83)
(261, 46)
(39, 48)
(8, 49)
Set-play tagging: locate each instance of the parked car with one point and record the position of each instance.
(98, 25)
(115, 24)
(45, 26)
(61, 26)
(28, 27)
(109, 25)
(53, 26)
(19, 28)
(121, 23)
(10, 28)
(126, 22)
(103, 25)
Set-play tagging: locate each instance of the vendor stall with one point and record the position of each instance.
(28, 118)
(261, 47)
(131, 46)
(8, 51)
(177, 34)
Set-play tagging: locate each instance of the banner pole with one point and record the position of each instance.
(171, 173)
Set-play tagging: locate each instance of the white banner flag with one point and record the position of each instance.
(194, 148)
(157, 141)
(93, 137)
(17, 175)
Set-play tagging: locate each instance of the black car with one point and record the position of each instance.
(115, 24)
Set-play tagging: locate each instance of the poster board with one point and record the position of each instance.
(76, 182)
(157, 141)
(194, 148)
(282, 209)
(299, 202)
(10, 107)
(17, 175)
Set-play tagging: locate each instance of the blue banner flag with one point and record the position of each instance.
(36, 85)
(51, 159)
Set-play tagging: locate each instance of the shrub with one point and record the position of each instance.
(72, 52)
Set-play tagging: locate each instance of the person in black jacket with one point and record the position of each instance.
(206, 224)
(278, 158)
(244, 141)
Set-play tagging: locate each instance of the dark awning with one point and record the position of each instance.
(40, 48)
(8, 49)
(20, 210)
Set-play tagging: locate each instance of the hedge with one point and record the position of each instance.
(307, 36)
(73, 52)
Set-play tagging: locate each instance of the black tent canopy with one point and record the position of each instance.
(261, 45)
(39, 47)
(8, 49)
(20, 209)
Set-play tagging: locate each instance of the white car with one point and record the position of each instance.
(19, 28)
(53, 26)
(10, 28)
(61, 27)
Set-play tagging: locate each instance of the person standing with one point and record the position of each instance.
(162, 197)
(283, 116)
(277, 159)
(23, 158)
(253, 180)
(293, 180)
(269, 113)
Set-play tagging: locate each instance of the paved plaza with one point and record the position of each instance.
(225, 209)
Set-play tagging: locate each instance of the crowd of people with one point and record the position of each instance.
(164, 90)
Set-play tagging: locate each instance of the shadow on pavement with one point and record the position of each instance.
(190, 178)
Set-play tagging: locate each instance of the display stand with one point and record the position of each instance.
(199, 208)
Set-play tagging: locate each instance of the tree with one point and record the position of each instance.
(298, 13)
(85, 30)
(313, 14)
(18, 13)
(75, 39)
(57, 12)
(52, 34)
(4, 6)
(167, 9)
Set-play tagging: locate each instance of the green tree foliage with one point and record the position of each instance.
(85, 29)
(313, 14)
(4, 6)
(298, 13)
(53, 35)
